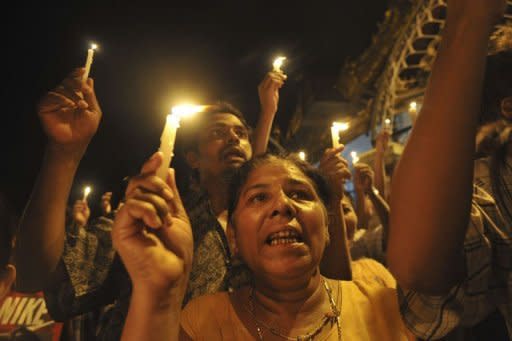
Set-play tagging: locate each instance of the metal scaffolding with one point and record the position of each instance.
(409, 64)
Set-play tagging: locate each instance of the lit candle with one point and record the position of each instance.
(355, 158)
(302, 155)
(169, 134)
(88, 61)
(335, 132)
(413, 107)
(87, 190)
(387, 125)
(278, 62)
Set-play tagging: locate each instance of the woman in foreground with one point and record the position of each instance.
(278, 227)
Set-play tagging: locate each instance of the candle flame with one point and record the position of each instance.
(87, 190)
(413, 107)
(387, 121)
(94, 46)
(278, 62)
(341, 126)
(187, 110)
(354, 156)
(302, 155)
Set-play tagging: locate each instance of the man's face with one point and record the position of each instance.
(223, 144)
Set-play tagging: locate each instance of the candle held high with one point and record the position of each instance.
(168, 138)
(302, 155)
(278, 63)
(87, 191)
(335, 132)
(88, 61)
(355, 158)
(413, 107)
(387, 125)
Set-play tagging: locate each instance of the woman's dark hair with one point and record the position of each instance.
(240, 176)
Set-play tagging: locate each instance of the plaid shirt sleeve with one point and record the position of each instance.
(432, 317)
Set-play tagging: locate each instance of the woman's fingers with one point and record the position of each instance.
(54, 101)
(90, 96)
(149, 183)
(144, 211)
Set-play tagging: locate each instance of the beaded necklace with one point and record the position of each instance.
(332, 317)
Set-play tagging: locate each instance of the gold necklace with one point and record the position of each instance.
(332, 317)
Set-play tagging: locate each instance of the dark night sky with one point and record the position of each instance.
(153, 56)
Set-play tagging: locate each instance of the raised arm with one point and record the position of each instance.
(364, 184)
(432, 185)
(335, 262)
(70, 116)
(268, 92)
(361, 187)
(153, 236)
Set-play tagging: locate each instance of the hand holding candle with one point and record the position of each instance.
(88, 62)
(168, 137)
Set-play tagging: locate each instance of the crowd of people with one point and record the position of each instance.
(246, 243)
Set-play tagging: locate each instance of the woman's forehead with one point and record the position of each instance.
(277, 170)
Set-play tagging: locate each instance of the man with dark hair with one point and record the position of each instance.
(188, 141)
(215, 144)
(192, 127)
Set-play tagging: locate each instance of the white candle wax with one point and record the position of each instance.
(413, 107)
(335, 135)
(355, 158)
(387, 125)
(88, 62)
(278, 62)
(335, 132)
(167, 144)
(87, 190)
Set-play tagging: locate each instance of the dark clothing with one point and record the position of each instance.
(213, 268)
(91, 276)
